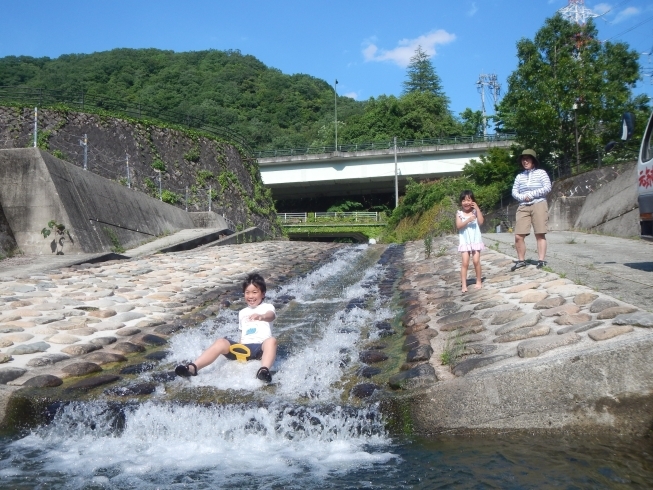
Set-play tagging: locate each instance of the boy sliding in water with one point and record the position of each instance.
(255, 323)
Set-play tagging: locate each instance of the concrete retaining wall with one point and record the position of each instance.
(603, 200)
(604, 389)
(208, 219)
(36, 187)
(613, 208)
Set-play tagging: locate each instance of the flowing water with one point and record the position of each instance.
(304, 431)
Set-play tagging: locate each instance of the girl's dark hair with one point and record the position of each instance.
(466, 193)
(256, 280)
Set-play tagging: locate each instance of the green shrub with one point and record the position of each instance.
(193, 155)
(158, 165)
(115, 242)
(203, 176)
(170, 197)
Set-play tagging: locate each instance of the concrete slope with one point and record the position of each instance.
(100, 214)
(612, 209)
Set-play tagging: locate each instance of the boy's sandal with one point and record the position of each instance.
(264, 375)
(183, 371)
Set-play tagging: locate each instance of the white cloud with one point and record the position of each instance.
(601, 8)
(626, 13)
(473, 9)
(351, 95)
(406, 48)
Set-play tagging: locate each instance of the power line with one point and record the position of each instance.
(613, 8)
(628, 30)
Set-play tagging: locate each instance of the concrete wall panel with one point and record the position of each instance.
(36, 187)
(609, 207)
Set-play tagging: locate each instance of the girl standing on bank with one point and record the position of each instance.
(468, 222)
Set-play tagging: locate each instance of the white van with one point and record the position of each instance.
(645, 182)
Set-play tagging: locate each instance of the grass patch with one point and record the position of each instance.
(428, 245)
(452, 350)
(117, 247)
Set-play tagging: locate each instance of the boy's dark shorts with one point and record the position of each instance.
(255, 351)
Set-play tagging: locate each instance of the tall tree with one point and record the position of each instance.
(472, 122)
(421, 76)
(567, 94)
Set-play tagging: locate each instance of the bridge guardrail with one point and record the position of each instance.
(384, 145)
(350, 216)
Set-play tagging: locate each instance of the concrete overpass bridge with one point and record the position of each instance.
(368, 168)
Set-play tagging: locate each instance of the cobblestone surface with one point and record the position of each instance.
(526, 314)
(70, 321)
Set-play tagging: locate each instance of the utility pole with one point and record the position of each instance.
(186, 200)
(209, 199)
(492, 83)
(36, 127)
(160, 191)
(576, 138)
(335, 98)
(129, 182)
(84, 143)
(396, 177)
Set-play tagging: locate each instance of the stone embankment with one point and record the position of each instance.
(530, 350)
(70, 322)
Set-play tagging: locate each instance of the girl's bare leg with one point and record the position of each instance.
(476, 258)
(463, 270)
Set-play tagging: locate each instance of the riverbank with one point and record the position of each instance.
(531, 350)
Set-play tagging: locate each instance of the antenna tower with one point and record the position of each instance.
(491, 83)
(577, 12)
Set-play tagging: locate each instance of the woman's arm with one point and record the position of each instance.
(515, 189)
(545, 184)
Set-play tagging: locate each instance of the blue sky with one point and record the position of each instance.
(364, 44)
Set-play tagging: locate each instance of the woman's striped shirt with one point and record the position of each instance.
(531, 183)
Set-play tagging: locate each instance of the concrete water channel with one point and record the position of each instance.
(223, 428)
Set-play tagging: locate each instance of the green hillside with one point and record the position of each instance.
(229, 89)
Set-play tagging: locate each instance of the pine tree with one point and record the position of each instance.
(421, 76)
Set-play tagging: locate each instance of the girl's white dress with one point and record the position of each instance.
(469, 236)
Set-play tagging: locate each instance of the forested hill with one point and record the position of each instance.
(226, 87)
(229, 89)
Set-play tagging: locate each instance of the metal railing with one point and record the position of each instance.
(84, 101)
(349, 216)
(385, 145)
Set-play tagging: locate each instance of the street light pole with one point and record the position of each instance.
(396, 177)
(576, 138)
(335, 99)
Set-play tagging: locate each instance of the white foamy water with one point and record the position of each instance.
(296, 435)
(227, 445)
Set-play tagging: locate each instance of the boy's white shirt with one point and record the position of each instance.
(255, 332)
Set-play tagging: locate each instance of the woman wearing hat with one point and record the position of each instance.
(530, 189)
